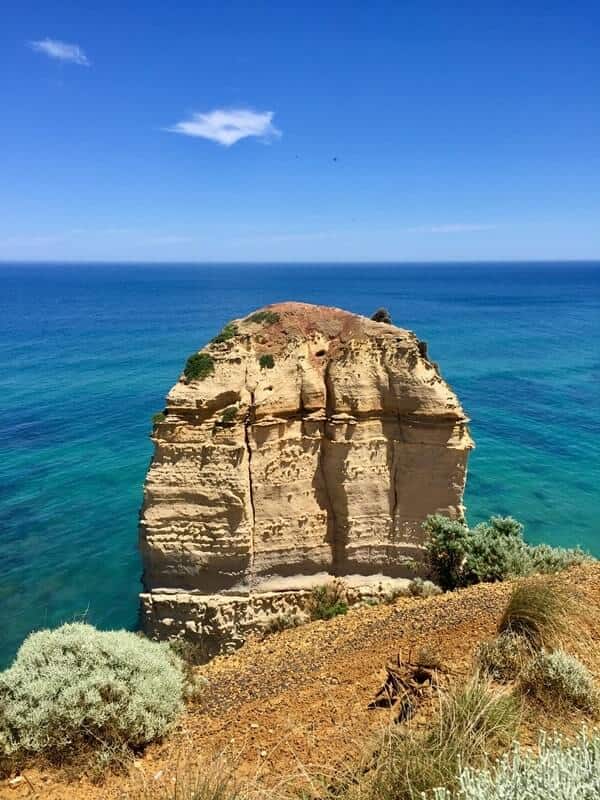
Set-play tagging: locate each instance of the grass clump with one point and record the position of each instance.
(471, 723)
(538, 611)
(491, 551)
(266, 361)
(328, 601)
(560, 679)
(421, 588)
(76, 690)
(228, 332)
(157, 418)
(555, 773)
(199, 366)
(264, 317)
(210, 780)
(283, 622)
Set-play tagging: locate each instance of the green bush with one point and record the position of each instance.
(382, 315)
(264, 317)
(556, 772)
(77, 688)
(199, 366)
(158, 418)
(229, 332)
(546, 559)
(328, 601)
(266, 361)
(446, 545)
(229, 414)
(491, 551)
(560, 679)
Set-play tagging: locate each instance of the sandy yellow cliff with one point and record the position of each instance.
(315, 444)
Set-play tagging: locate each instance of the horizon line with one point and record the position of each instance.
(292, 262)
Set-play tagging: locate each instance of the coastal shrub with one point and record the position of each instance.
(199, 366)
(504, 657)
(76, 688)
(228, 332)
(266, 361)
(539, 612)
(556, 772)
(158, 418)
(328, 601)
(561, 679)
(491, 551)
(421, 588)
(471, 722)
(382, 315)
(446, 545)
(546, 559)
(264, 317)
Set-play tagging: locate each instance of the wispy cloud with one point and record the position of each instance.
(130, 236)
(451, 228)
(228, 126)
(62, 51)
(278, 238)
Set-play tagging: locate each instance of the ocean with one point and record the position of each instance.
(88, 353)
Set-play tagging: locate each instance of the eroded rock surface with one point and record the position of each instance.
(316, 446)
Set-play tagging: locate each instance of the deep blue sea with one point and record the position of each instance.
(88, 352)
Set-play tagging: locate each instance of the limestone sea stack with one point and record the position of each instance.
(303, 442)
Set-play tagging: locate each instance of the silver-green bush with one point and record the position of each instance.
(75, 686)
(560, 677)
(504, 657)
(558, 773)
(421, 588)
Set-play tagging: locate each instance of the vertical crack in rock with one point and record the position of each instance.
(394, 483)
(247, 423)
(332, 525)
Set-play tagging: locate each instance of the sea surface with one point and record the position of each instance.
(88, 353)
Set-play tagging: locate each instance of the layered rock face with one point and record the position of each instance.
(313, 443)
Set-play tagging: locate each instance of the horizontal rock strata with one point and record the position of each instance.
(314, 443)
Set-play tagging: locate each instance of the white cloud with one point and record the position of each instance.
(451, 228)
(62, 51)
(228, 126)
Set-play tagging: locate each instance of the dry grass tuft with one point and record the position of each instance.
(472, 723)
(540, 611)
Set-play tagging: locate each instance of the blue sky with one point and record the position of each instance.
(369, 131)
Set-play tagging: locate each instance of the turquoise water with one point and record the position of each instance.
(87, 354)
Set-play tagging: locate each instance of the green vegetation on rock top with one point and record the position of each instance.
(266, 317)
(229, 331)
(199, 366)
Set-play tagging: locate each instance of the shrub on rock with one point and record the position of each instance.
(199, 366)
(382, 315)
(76, 688)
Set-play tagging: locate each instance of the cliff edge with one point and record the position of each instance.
(302, 442)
